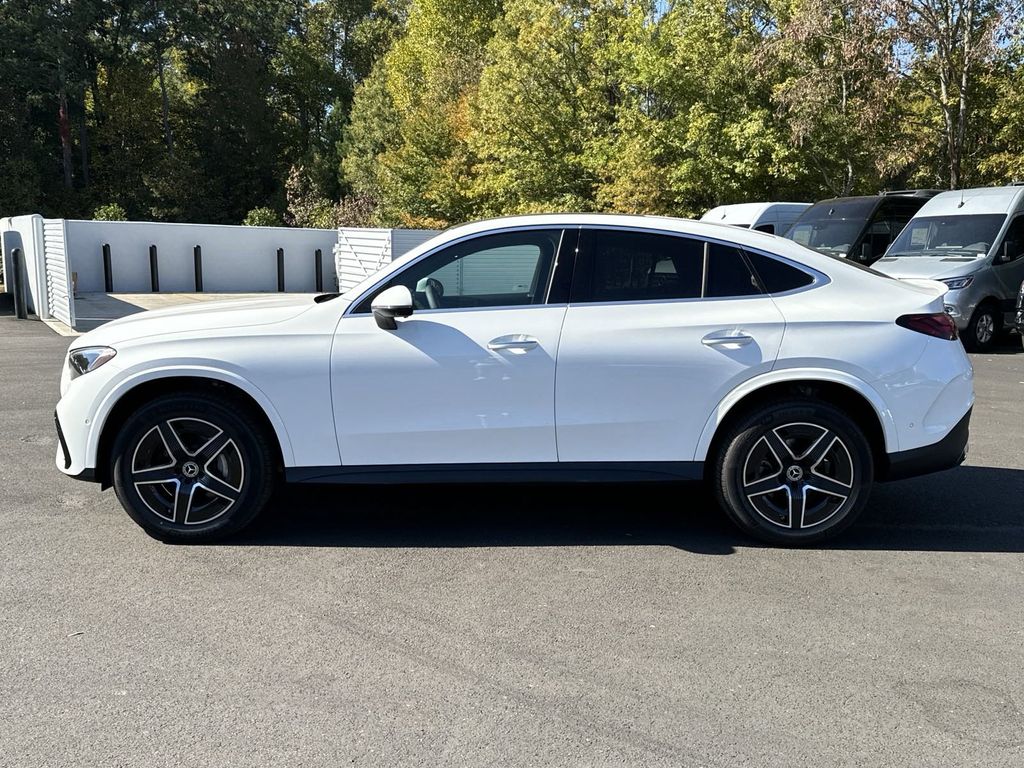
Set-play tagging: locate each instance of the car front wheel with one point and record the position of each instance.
(192, 468)
(983, 329)
(795, 472)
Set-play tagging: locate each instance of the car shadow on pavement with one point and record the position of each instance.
(968, 509)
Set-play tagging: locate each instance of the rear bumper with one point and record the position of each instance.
(949, 452)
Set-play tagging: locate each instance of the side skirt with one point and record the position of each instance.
(543, 472)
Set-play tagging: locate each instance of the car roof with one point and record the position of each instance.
(747, 238)
(964, 202)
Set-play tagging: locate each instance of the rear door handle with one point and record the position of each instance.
(727, 339)
(517, 342)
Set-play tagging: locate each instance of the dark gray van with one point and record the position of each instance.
(858, 228)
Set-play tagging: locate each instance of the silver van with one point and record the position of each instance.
(973, 241)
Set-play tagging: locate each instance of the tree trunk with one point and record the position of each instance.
(64, 126)
(168, 137)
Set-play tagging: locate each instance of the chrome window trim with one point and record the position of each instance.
(818, 279)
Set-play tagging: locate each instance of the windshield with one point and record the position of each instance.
(832, 226)
(967, 235)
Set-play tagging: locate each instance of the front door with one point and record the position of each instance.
(469, 377)
(1009, 275)
(659, 329)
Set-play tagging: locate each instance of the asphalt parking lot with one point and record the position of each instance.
(475, 626)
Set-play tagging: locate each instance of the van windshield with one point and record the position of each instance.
(832, 226)
(966, 235)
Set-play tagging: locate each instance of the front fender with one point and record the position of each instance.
(784, 375)
(128, 380)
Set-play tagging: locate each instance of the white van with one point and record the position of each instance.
(773, 218)
(973, 241)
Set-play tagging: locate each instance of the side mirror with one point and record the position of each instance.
(388, 305)
(866, 252)
(1008, 253)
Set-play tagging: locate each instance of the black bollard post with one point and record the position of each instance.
(197, 263)
(154, 272)
(108, 270)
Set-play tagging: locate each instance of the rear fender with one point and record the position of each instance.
(810, 375)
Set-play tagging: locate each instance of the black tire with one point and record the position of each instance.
(826, 450)
(206, 491)
(983, 329)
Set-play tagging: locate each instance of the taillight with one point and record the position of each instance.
(940, 325)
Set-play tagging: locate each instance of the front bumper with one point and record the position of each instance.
(64, 456)
(949, 452)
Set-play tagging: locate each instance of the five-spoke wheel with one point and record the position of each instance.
(794, 472)
(192, 468)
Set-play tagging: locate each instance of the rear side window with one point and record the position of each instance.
(624, 265)
(728, 273)
(638, 266)
(777, 276)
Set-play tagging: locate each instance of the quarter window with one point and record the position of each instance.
(507, 269)
(728, 273)
(777, 276)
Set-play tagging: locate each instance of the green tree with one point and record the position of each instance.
(410, 121)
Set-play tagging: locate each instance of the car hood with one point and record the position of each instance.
(927, 266)
(202, 316)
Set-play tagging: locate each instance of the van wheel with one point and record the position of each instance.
(983, 329)
(192, 468)
(794, 472)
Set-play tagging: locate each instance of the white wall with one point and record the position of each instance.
(26, 233)
(235, 259)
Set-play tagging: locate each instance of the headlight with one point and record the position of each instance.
(956, 283)
(88, 359)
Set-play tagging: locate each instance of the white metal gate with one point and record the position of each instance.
(359, 253)
(59, 294)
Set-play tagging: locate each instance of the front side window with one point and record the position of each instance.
(502, 270)
(1013, 243)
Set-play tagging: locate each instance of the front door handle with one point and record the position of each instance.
(730, 339)
(517, 342)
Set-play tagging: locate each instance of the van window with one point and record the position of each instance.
(833, 226)
(1015, 236)
(966, 235)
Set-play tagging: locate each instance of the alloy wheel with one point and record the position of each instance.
(798, 475)
(188, 471)
(985, 328)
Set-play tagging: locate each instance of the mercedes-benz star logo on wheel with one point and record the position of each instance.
(794, 473)
(190, 469)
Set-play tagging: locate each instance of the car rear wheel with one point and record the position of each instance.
(983, 329)
(192, 468)
(794, 472)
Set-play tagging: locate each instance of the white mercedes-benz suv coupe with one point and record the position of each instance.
(535, 348)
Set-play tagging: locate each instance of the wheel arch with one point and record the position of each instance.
(844, 391)
(134, 392)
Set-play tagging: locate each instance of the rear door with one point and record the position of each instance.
(659, 328)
